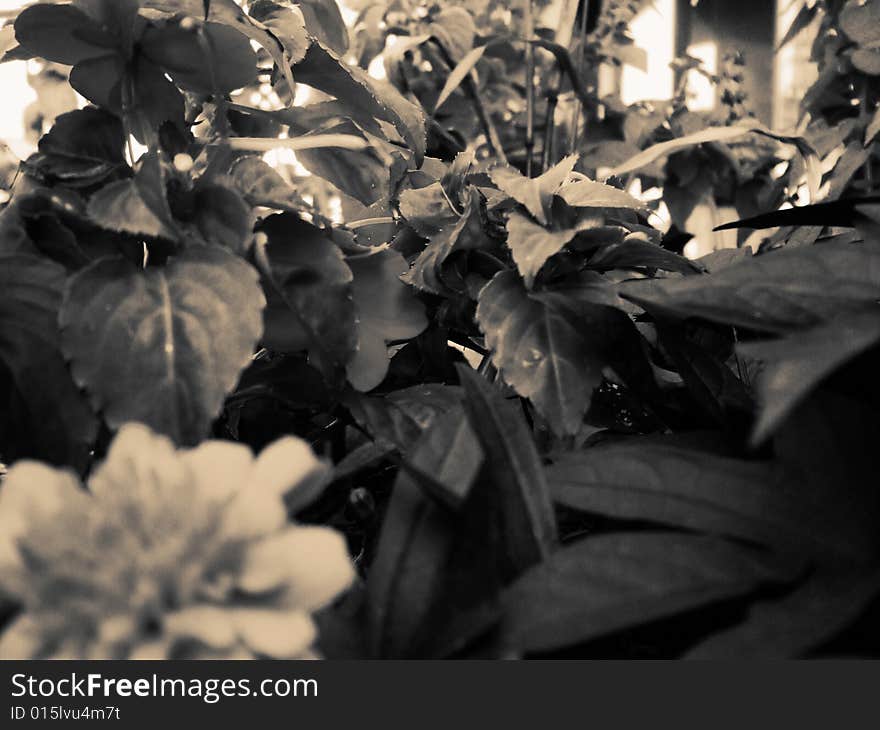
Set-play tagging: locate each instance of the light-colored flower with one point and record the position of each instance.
(168, 553)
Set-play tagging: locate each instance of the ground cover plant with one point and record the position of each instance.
(458, 393)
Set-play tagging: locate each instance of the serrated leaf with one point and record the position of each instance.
(162, 346)
(428, 209)
(222, 218)
(592, 194)
(89, 133)
(324, 21)
(308, 288)
(794, 366)
(386, 311)
(287, 25)
(604, 584)
(779, 291)
(45, 415)
(461, 233)
(523, 520)
(120, 207)
(532, 244)
(323, 70)
(261, 185)
(541, 350)
(536, 194)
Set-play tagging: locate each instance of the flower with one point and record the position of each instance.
(168, 553)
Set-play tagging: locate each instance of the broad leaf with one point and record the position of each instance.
(386, 311)
(61, 33)
(308, 288)
(591, 194)
(522, 517)
(324, 21)
(417, 541)
(776, 292)
(791, 626)
(162, 346)
(647, 479)
(261, 185)
(549, 348)
(635, 253)
(323, 70)
(604, 584)
(44, 414)
(532, 244)
(535, 194)
(794, 366)
(286, 24)
(428, 210)
(401, 417)
(461, 233)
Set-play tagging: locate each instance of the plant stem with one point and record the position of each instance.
(581, 59)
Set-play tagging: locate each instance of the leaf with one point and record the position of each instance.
(844, 213)
(261, 185)
(417, 539)
(860, 21)
(794, 366)
(458, 74)
(286, 24)
(324, 21)
(461, 233)
(804, 18)
(120, 207)
(535, 194)
(323, 70)
(386, 311)
(776, 292)
(45, 416)
(591, 194)
(873, 128)
(61, 33)
(542, 349)
(524, 521)
(403, 415)
(232, 63)
(428, 210)
(532, 244)
(601, 585)
(89, 133)
(162, 346)
(636, 253)
(308, 288)
(647, 479)
(222, 218)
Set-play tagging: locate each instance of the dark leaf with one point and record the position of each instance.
(162, 346)
(45, 415)
(308, 288)
(796, 365)
(324, 22)
(61, 33)
(386, 311)
(523, 521)
(776, 292)
(604, 584)
(261, 185)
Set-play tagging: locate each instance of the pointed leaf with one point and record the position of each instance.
(459, 73)
(525, 523)
(535, 194)
(775, 292)
(162, 346)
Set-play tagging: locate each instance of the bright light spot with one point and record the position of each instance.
(653, 30)
(376, 68)
(17, 95)
(700, 91)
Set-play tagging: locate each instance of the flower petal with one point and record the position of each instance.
(211, 625)
(35, 492)
(311, 563)
(141, 464)
(277, 634)
(22, 639)
(287, 463)
(221, 468)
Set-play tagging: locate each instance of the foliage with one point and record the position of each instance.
(551, 433)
